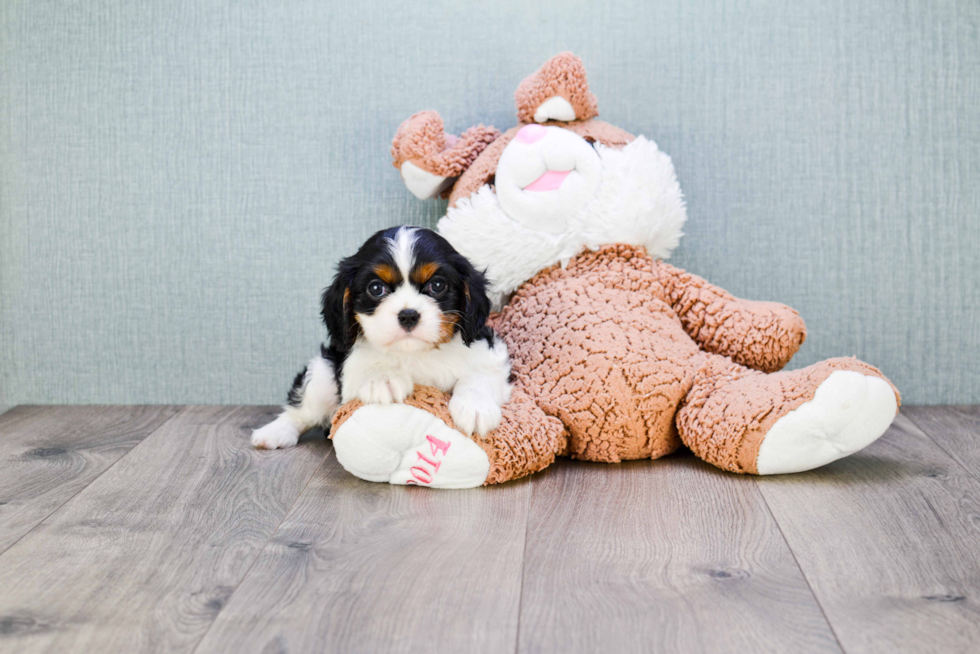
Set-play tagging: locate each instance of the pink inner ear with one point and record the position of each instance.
(550, 181)
(531, 133)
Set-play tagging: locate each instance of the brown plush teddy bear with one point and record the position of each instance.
(616, 355)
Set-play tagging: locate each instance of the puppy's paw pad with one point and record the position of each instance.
(472, 413)
(401, 444)
(848, 412)
(278, 433)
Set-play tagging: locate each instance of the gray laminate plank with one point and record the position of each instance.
(362, 567)
(49, 453)
(889, 540)
(660, 556)
(145, 556)
(956, 429)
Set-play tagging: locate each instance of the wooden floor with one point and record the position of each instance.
(127, 529)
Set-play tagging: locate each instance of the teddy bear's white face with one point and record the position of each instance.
(545, 176)
(555, 195)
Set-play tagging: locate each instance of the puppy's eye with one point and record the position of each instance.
(376, 289)
(435, 287)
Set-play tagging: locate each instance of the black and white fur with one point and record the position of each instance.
(406, 309)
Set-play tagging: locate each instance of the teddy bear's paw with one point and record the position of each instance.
(281, 432)
(401, 444)
(848, 412)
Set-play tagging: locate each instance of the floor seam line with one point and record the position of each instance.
(94, 479)
(799, 567)
(520, 596)
(272, 534)
(953, 457)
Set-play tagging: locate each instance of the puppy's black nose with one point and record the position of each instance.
(408, 318)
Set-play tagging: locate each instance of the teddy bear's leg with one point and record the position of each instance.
(760, 335)
(415, 443)
(747, 421)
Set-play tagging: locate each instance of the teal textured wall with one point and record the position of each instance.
(178, 179)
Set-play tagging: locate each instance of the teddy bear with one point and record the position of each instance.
(615, 354)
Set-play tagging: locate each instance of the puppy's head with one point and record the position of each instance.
(406, 289)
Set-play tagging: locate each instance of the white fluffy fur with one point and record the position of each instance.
(382, 328)
(522, 163)
(402, 249)
(387, 362)
(320, 401)
(385, 365)
(476, 375)
(638, 202)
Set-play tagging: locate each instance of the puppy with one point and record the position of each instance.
(406, 309)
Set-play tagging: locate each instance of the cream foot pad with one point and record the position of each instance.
(848, 412)
(401, 444)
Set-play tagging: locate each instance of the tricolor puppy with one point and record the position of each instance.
(406, 309)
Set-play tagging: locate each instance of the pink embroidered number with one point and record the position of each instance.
(422, 475)
(437, 445)
(435, 464)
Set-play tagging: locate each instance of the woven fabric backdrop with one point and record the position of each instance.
(178, 179)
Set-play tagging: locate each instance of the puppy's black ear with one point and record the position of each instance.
(476, 304)
(337, 308)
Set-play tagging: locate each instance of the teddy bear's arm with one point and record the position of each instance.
(760, 335)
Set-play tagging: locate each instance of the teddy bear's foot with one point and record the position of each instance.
(746, 421)
(416, 443)
(402, 444)
(848, 412)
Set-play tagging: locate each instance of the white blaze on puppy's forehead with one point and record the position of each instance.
(402, 248)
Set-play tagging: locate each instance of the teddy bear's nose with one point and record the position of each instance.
(531, 133)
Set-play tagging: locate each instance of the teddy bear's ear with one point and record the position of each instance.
(558, 91)
(430, 159)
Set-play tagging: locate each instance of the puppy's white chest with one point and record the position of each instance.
(433, 368)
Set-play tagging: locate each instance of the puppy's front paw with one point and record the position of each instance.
(472, 412)
(278, 433)
(385, 389)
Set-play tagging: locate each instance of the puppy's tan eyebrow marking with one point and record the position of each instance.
(387, 274)
(424, 272)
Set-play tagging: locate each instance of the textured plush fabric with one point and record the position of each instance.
(526, 441)
(608, 368)
(422, 140)
(719, 323)
(178, 179)
(729, 408)
(632, 355)
(610, 345)
(561, 76)
(485, 165)
(603, 353)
